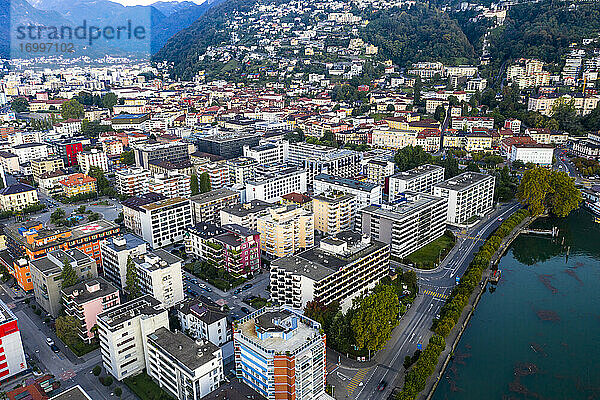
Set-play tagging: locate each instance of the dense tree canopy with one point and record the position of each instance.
(547, 190)
(71, 109)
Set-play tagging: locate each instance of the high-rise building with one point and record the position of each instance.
(159, 274)
(11, 351)
(281, 354)
(334, 212)
(245, 214)
(270, 187)
(470, 195)
(366, 193)
(115, 253)
(206, 207)
(419, 179)
(92, 158)
(172, 151)
(284, 230)
(132, 181)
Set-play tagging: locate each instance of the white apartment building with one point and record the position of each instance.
(365, 193)
(270, 187)
(407, 225)
(268, 152)
(115, 252)
(186, 368)
(123, 330)
(132, 181)
(241, 170)
(470, 194)
(285, 230)
(206, 207)
(316, 159)
(468, 123)
(419, 179)
(171, 185)
(159, 274)
(93, 158)
(540, 154)
(387, 138)
(340, 269)
(30, 151)
(245, 214)
(377, 170)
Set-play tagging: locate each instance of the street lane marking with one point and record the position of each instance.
(436, 295)
(356, 379)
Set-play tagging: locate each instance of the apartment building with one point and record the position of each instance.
(75, 184)
(206, 207)
(218, 174)
(171, 185)
(168, 167)
(284, 230)
(92, 158)
(49, 164)
(468, 123)
(186, 368)
(341, 268)
(241, 170)
(281, 354)
(115, 253)
(17, 196)
(232, 247)
(413, 221)
(470, 195)
(159, 274)
(245, 214)
(123, 331)
(419, 179)
(11, 351)
(172, 151)
(85, 300)
(47, 282)
(365, 193)
(269, 152)
(203, 319)
(333, 212)
(317, 159)
(67, 150)
(30, 151)
(157, 220)
(9, 162)
(378, 170)
(270, 187)
(299, 199)
(227, 144)
(540, 154)
(132, 181)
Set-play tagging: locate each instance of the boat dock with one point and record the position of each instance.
(546, 232)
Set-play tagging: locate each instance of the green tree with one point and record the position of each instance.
(57, 216)
(97, 370)
(565, 197)
(68, 275)
(417, 91)
(375, 317)
(472, 167)
(440, 113)
(109, 100)
(131, 280)
(127, 157)
(410, 157)
(565, 114)
(543, 189)
(67, 329)
(204, 182)
(20, 105)
(102, 183)
(194, 186)
(71, 109)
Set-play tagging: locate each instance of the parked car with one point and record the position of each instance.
(49, 341)
(54, 348)
(247, 286)
(381, 386)
(245, 310)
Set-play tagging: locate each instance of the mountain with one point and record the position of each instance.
(171, 7)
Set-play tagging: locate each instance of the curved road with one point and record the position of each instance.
(434, 288)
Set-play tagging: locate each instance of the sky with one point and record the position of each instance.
(148, 2)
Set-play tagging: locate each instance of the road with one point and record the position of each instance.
(434, 288)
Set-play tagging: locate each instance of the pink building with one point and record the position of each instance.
(85, 300)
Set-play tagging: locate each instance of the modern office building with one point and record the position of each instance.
(269, 152)
(340, 269)
(245, 214)
(123, 330)
(470, 195)
(67, 150)
(281, 354)
(419, 179)
(11, 351)
(46, 276)
(270, 187)
(285, 230)
(316, 159)
(159, 274)
(132, 181)
(365, 193)
(232, 247)
(160, 222)
(85, 300)
(334, 212)
(186, 368)
(172, 151)
(227, 144)
(206, 207)
(408, 224)
(115, 253)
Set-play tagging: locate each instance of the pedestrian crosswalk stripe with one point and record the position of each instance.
(436, 294)
(356, 379)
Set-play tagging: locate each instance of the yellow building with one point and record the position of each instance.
(334, 212)
(78, 184)
(286, 230)
(477, 141)
(18, 196)
(39, 167)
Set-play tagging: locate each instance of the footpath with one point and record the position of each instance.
(453, 339)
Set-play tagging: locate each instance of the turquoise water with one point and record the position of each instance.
(535, 335)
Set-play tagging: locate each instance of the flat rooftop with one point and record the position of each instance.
(163, 203)
(416, 172)
(464, 181)
(404, 207)
(251, 207)
(152, 259)
(214, 195)
(83, 294)
(145, 305)
(184, 350)
(74, 393)
(48, 267)
(131, 242)
(346, 182)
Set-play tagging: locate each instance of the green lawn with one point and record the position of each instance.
(80, 347)
(145, 388)
(427, 257)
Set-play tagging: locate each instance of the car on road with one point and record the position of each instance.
(238, 290)
(208, 289)
(247, 286)
(49, 341)
(54, 348)
(382, 385)
(245, 310)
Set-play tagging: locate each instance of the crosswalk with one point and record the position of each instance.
(436, 294)
(356, 379)
(331, 366)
